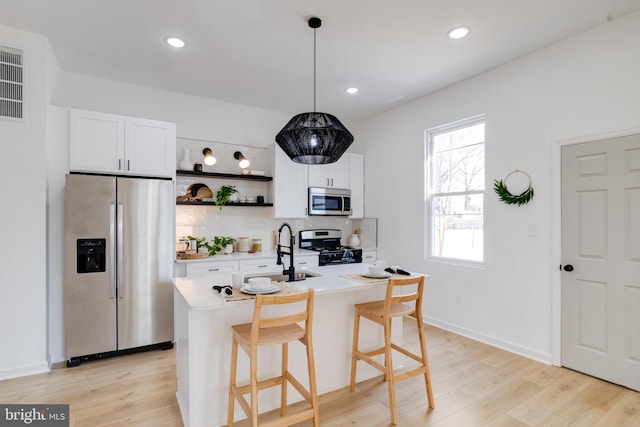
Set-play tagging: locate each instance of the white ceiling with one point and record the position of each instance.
(260, 52)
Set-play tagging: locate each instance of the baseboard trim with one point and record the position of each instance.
(24, 370)
(511, 347)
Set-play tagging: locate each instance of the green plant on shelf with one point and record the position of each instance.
(224, 195)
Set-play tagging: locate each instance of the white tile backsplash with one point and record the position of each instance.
(252, 222)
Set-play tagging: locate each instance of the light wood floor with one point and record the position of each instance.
(474, 385)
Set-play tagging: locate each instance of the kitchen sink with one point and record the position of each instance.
(279, 277)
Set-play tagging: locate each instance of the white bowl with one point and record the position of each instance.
(258, 283)
(376, 270)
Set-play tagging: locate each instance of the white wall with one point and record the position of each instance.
(196, 117)
(23, 292)
(578, 89)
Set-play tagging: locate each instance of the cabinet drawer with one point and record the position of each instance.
(260, 266)
(200, 268)
(369, 256)
(306, 262)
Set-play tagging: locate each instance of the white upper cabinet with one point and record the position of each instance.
(115, 144)
(96, 142)
(291, 182)
(289, 186)
(356, 184)
(150, 147)
(335, 175)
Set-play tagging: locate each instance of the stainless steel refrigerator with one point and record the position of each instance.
(119, 244)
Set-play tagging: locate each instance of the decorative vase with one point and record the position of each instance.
(186, 164)
(228, 249)
(354, 241)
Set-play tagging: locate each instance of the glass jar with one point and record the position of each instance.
(242, 244)
(256, 245)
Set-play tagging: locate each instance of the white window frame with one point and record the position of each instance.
(429, 193)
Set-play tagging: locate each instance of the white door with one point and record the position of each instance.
(601, 259)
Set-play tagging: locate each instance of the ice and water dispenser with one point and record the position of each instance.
(91, 255)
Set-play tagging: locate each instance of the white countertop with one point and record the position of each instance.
(242, 256)
(197, 293)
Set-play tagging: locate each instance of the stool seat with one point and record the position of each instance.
(376, 309)
(267, 331)
(381, 313)
(268, 336)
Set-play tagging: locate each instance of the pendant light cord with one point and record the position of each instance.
(314, 70)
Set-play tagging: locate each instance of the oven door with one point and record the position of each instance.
(329, 201)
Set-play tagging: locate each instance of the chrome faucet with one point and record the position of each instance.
(292, 241)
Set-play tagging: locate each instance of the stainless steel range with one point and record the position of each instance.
(327, 243)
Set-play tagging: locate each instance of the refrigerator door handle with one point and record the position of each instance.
(112, 249)
(119, 240)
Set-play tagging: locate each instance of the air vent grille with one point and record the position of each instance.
(11, 82)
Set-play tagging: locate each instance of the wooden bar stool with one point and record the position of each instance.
(265, 331)
(382, 312)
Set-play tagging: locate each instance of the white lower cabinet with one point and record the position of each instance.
(267, 266)
(200, 268)
(369, 256)
(252, 267)
(306, 261)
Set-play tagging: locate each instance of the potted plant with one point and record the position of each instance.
(224, 195)
(225, 244)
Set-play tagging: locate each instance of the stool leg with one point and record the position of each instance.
(425, 362)
(311, 365)
(254, 385)
(354, 358)
(388, 363)
(283, 391)
(232, 381)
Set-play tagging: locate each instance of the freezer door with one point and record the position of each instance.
(89, 270)
(145, 250)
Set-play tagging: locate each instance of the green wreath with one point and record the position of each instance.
(500, 187)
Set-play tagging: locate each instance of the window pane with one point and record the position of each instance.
(458, 138)
(457, 229)
(459, 169)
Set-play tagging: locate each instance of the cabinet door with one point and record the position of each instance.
(334, 175)
(200, 268)
(290, 184)
(338, 172)
(318, 176)
(96, 142)
(150, 147)
(356, 184)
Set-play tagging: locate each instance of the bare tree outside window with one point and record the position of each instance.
(455, 159)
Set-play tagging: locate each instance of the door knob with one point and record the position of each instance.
(568, 267)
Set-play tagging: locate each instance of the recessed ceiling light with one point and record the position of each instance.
(458, 33)
(352, 90)
(175, 42)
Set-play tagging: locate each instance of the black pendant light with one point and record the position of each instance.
(314, 138)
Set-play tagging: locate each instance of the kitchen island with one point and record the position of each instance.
(203, 321)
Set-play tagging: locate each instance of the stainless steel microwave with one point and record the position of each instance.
(329, 201)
